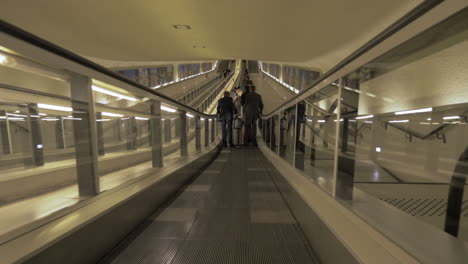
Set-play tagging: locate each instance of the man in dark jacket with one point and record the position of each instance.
(253, 107)
(226, 111)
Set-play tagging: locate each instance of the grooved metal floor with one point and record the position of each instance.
(232, 213)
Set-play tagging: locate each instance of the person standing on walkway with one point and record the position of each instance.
(226, 111)
(253, 107)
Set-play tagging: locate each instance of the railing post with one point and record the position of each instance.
(100, 134)
(272, 125)
(177, 127)
(60, 133)
(37, 146)
(183, 133)
(85, 135)
(5, 133)
(167, 130)
(207, 133)
(197, 133)
(156, 135)
(213, 121)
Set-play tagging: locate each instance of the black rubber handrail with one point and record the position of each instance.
(409, 17)
(25, 36)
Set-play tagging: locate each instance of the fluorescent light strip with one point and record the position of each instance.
(398, 121)
(422, 110)
(450, 117)
(365, 117)
(72, 118)
(321, 121)
(111, 114)
(168, 109)
(55, 107)
(10, 114)
(13, 118)
(141, 118)
(50, 119)
(368, 122)
(105, 91)
(42, 114)
(189, 115)
(102, 120)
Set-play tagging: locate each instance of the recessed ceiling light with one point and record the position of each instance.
(182, 27)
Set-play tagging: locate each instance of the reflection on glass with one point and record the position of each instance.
(405, 127)
(319, 136)
(288, 131)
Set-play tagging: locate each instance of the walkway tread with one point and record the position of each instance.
(231, 213)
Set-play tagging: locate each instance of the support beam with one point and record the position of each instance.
(156, 135)
(85, 135)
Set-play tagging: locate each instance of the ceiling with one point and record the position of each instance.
(314, 33)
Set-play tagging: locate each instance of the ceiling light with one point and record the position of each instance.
(365, 117)
(168, 109)
(378, 149)
(429, 119)
(189, 115)
(105, 91)
(111, 114)
(450, 117)
(55, 107)
(102, 120)
(422, 110)
(72, 118)
(42, 114)
(50, 119)
(141, 118)
(398, 121)
(321, 121)
(368, 122)
(371, 95)
(181, 26)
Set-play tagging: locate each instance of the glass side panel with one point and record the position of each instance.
(287, 135)
(37, 141)
(405, 127)
(319, 136)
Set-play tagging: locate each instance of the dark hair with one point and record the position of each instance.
(226, 93)
(252, 88)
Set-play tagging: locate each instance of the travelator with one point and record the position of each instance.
(293, 200)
